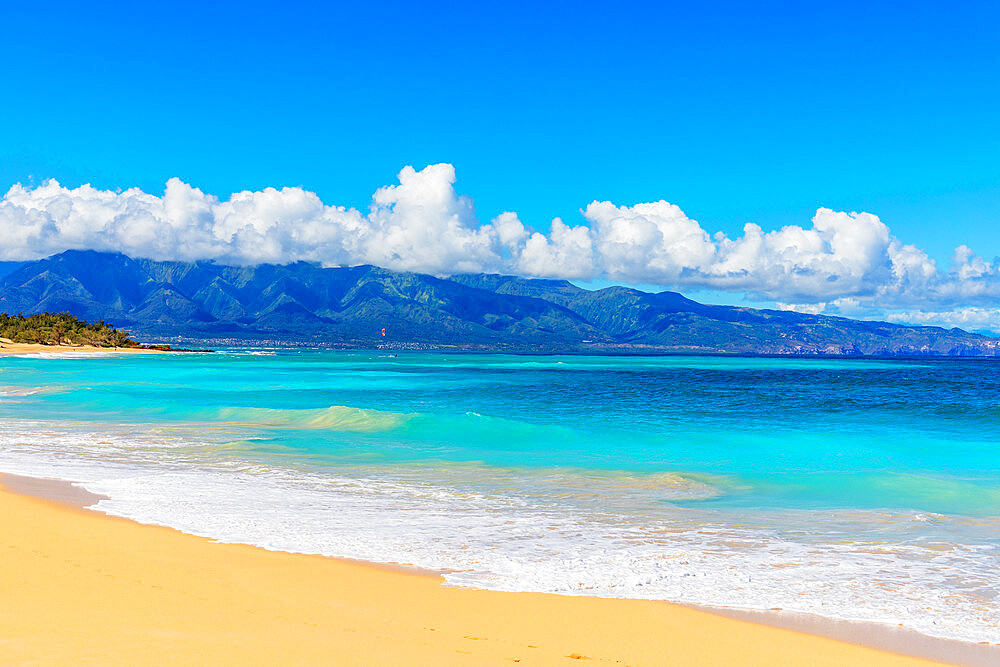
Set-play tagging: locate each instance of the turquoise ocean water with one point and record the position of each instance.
(862, 489)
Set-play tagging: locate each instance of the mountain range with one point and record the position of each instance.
(367, 306)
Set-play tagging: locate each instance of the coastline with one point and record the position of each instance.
(895, 639)
(94, 587)
(11, 349)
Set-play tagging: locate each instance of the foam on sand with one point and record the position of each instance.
(159, 596)
(491, 538)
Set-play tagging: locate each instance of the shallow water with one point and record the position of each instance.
(859, 489)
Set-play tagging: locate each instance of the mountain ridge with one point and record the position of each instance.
(303, 303)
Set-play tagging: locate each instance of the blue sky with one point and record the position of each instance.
(735, 112)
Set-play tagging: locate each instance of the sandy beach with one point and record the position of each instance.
(7, 349)
(84, 588)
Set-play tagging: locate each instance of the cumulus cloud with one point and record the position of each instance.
(420, 224)
(567, 252)
(653, 243)
(970, 319)
(841, 262)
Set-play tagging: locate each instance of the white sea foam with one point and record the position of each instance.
(514, 541)
(21, 392)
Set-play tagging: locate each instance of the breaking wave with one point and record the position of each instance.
(334, 418)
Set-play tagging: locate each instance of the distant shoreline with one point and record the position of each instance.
(366, 306)
(11, 349)
(216, 343)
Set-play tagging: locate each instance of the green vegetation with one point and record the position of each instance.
(61, 328)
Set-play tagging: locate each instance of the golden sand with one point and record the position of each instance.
(79, 587)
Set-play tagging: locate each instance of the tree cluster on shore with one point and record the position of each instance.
(61, 329)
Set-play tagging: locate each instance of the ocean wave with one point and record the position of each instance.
(609, 489)
(527, 530)
(334, 418)
(22, 392)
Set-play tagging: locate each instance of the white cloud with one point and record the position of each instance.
(970, 319)
(568, 252)
(847, 263)
(810, 308)
(421, 224)
(652, 243)
(841, 254)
